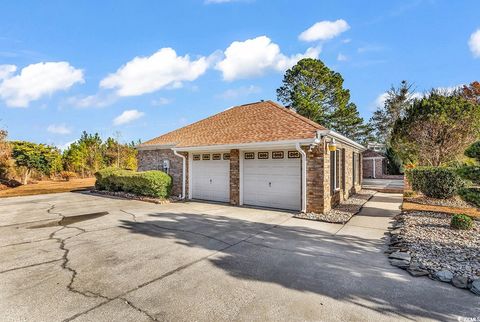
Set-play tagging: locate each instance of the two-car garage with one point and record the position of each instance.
(267, 178)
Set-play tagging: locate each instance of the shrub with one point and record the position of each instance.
(102, 176)
(470, 172)
(156, 184)
(461, 221)
(473, 151)
(409, 194)
(471, 195)
(435, 182)
(67, 175)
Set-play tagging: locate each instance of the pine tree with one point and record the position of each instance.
(316, 92)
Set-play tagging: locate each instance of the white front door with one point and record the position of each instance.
(273, 180)
(210, 178)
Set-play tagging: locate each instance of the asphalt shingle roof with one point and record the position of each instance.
(263, 121)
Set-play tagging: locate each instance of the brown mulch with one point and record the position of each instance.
(455, 202)
(410, 206)
(47, 186)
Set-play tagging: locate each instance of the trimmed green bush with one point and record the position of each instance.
(435, 182)
(471, 195)
(470, 172)
(156, 184)
(461, 221)
(473, 151)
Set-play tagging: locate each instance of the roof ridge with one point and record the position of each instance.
(295, 114)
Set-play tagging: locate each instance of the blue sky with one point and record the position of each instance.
(142, 68)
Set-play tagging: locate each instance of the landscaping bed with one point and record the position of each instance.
(344, 211)
(424, 244)
(455, 201)
(132, 196)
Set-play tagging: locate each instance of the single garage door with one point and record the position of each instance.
(272, 179)
(211, 176)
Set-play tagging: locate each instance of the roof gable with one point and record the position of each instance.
(263, 121)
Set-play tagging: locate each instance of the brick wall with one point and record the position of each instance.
(234, 177)
(315, 164)
(348, 186)
(367, 166)
(153, 160)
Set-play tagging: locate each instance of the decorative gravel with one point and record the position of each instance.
(424, 244)
(126, 195)
(456, 201)
(344, 211)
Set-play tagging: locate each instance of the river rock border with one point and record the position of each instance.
(403, 255)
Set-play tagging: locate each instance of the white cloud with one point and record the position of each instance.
(64, 146)
(6, 71)
(161, 101)
(239, 92)
(342, 57)
(96, 100)
(163, 69)
(324, 30)
(253, 57)
(474, 43)
(127, 117)
(59, 129)
(36, 81)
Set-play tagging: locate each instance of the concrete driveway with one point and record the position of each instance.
(199, 261)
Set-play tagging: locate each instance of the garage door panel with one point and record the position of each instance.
(274, 183)
(211, 180)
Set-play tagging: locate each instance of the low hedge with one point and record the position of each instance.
(435, 182)
(471, 195)
(156, 184)
(470, 172)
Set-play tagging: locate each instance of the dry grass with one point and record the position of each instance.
(43, 187)
(410, 206)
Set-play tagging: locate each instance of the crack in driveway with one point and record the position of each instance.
(176, 270)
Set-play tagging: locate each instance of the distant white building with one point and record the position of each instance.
(377, 147)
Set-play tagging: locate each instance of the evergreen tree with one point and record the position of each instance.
(316, 92)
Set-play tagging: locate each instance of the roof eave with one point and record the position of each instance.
(342, 139)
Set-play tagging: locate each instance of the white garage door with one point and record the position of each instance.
(211, 177)
(272, 179)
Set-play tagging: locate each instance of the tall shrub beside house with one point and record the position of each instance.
(436, 129)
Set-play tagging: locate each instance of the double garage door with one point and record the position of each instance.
(269, 178)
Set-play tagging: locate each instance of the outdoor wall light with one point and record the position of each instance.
(332, 145)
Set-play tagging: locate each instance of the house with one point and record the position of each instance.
(373, 164)
(258, 154)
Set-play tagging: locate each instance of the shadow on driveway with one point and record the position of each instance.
(346, 268)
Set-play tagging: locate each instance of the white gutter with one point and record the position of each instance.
(342, 138)
(253, 145)
(304, 176)
(184, 167)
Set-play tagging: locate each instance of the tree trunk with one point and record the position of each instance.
(26, 176)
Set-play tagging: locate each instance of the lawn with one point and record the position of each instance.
(43, 187)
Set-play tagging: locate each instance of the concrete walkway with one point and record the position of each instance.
(383, 184)
(122, 260)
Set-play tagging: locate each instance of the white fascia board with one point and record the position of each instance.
(253, 145)
(342, 139)
(155, 146)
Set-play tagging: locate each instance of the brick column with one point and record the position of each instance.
(234, 177)
(315, 186)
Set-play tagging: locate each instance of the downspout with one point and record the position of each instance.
(304, 176)
(184, 167)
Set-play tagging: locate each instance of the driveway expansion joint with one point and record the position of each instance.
(138, 309)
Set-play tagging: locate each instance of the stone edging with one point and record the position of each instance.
(399, 256)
